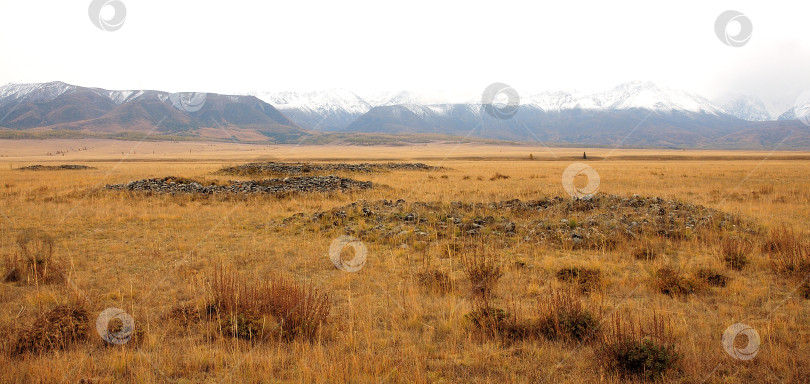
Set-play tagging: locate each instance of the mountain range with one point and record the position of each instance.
(79, 111)
(634, 114)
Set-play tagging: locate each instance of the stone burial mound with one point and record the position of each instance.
(601, 222)
(175, 185)
(274, 168)
(64, 167)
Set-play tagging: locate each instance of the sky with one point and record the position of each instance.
(448, 47)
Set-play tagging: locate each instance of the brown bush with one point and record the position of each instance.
(483, 271)
(434, 281)
(34, 263)
(185, 315)
(488, 321)
(58, 328)
(630, 347)
(735, 252)
(789, 255)
(278, 306)
(782, 240)
(563, 317)
(647, 250)
(712, 277)
(587, 279)
(671, 282)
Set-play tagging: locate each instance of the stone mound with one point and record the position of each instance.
(70, 167)
(274, 168)
(175, 185)
(600, 222)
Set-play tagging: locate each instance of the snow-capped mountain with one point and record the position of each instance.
(744, 107)
(328, 110)
(31, 93)
(631, 114)
(96, 111)
(321, 102)
(14, 93)
(799, 111)
(627, 96)
(412, 97)
(554, 100)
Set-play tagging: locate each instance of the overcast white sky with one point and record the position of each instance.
(239, 46)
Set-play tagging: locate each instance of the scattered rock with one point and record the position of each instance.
(274, 168)
(174, 185)
(64, 167)
(601, 223)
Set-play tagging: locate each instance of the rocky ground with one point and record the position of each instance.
(38, 167)
(274, 168)
(175, 185)
(601, 222)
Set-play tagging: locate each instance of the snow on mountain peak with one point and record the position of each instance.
(800, 110)
(410, 97)
(744, 107)
(630, 95)
(331, 100)
(24, 93)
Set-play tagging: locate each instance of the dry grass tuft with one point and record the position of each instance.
(483, 271)
(58, 328)
(35, 262)
(279, 306)
(587, 279)
(435, 281)
(712, 277)
(789, 254)
(563, 317)
(185, 315)
(735, 252)
(632, 348)
(498, 176)
(790, 257)
(647, 250)
(672, 282)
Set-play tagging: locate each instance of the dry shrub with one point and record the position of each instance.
(587, 279)
(712, 277)
(35, 262)
(647, 250)
(483, 271)
(487, 320)
(498, 176)
(735, 252)
(563, 317)
(58, 328)
(278, 306)
(789, 255)
(434, 281)
(782, 240)
(632, 348)
(185, 315)
(670, 281)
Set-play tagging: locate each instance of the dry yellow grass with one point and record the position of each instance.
(154, 255)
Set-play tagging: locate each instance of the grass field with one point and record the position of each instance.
(157, 256)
